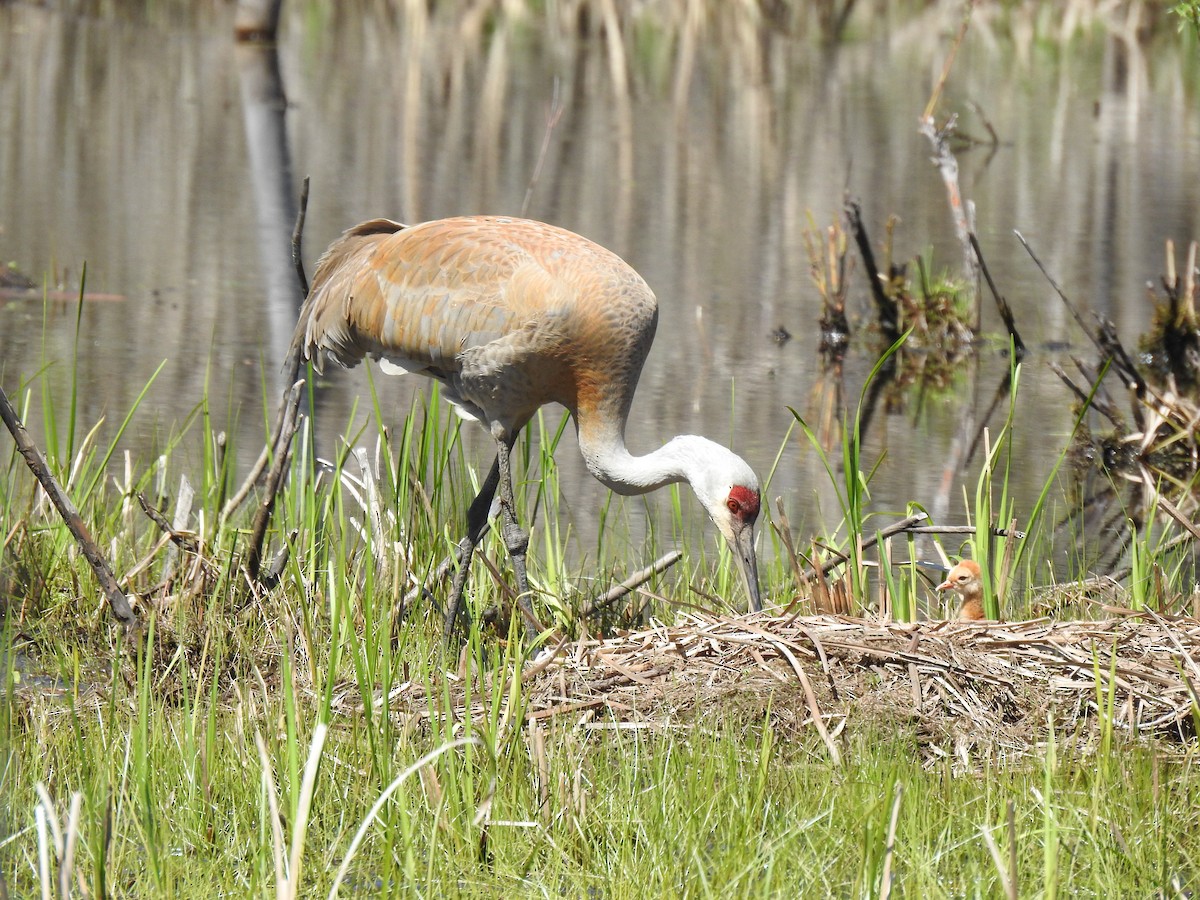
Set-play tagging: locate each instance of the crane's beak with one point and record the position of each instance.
(741, 541)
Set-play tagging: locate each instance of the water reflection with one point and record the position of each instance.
(693, 139)
(263, 106)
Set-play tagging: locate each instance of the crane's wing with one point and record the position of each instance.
(423, 297)
(509, 314)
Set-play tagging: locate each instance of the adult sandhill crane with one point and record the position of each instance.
(966, 580)
(509, 315)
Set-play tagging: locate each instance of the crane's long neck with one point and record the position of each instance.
(607, 458)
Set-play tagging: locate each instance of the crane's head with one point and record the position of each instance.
(729, 490)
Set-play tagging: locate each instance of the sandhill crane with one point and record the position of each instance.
(509, 315)
(966, 580)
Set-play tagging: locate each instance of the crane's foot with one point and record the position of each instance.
(516, 540)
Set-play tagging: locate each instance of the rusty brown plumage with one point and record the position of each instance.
(509, 315)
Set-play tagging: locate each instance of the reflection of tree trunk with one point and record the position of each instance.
(263, 106)
(413, 166)
(622, 203)
(257, 20)
(954, 463)
(1117, 112)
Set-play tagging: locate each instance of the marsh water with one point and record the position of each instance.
(698, 140)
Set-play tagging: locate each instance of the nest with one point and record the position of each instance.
(961, 689)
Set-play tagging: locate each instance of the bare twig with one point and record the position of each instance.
(961, 210)
(298, 239)
(986, 124)
(962, 529)
(256, 472)
(1103, 337)
(1175, 513)
(1105, 409)
(262, 516)
(1001, 304)
(632, 583)
(291, 373)
(117, 600)
(936, 94)
(906, 524)
(183, 514)
(1058, 290)
(889, 321)
(556, 111)
(178, 538)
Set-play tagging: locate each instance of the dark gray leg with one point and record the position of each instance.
(515, 538)
(477, 519)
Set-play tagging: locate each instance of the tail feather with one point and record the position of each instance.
(320, 329)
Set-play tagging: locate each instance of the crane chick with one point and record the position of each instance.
(966, 580)
(509, 315)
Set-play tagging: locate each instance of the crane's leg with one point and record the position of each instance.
(515, 538)
(477, 519)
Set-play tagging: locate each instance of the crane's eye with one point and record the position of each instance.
(742, 503)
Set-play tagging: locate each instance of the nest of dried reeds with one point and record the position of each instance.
(960, 688)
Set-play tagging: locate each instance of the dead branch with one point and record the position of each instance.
(262, 515)
(889, 321)
(298, 239)
(632, 583)
(291, 373)
(964, 529)
(180, 539)
(1109, 412)
(1104, 343)
(962, 211)
(1002, 306)
(936, 94)
(117, 600)
(895, 528)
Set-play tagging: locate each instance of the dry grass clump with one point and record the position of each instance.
(964, 689)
